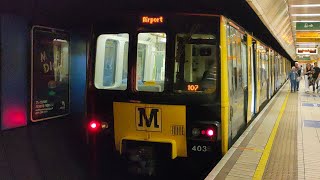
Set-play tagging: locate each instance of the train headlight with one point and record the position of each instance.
(195, 132)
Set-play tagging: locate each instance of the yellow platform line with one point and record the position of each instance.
(265, 155)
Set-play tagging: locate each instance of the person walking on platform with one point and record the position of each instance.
(315, 77)
(307, 76)
(298, 70)
(293, 79)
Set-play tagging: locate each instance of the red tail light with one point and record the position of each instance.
(94, 126)
(204, 132)
(210, 132)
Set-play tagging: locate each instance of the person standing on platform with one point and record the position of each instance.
(298, 70)
(315, 76)
(307, 76)
(293, 79)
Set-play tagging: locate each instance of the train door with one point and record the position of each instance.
(236, 58)
(255, 76)
(250, 80)
(283, 71)
(244, 62)
(263, 73)
(275, 73)
(269, 74)
(272, 71)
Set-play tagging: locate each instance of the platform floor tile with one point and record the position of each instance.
(308, 136)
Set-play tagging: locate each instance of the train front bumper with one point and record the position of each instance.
(166, 146)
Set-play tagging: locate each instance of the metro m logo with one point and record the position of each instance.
(148, 119)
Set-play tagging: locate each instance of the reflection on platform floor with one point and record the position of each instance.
(47, 150)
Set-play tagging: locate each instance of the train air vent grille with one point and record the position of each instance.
(177, 130)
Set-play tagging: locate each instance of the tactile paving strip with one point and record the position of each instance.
(282, 163)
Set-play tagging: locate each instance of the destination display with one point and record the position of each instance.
(152, 20)
(50, 74)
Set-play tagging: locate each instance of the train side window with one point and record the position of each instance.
(111, 69)
(151, 53)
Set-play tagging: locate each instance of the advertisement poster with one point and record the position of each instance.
(49, 74)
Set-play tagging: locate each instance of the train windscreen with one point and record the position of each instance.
(111, 67)
(151, 53)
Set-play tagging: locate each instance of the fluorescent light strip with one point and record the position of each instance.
(306, 44)
(306, 5)
(307, 21)
(306, 15)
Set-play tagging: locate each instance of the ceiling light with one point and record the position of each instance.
(305, 44)
(307, 21)
(306, 5)
(306, 15)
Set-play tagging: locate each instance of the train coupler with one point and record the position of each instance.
(141, 160)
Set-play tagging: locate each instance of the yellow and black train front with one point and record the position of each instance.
(161, 79)
(163, 129)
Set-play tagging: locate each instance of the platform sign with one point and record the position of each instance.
(49, 73)
(305, 61)
(306, 51)
(308, 40)
(307, 34)
(307, 26)
(305, 58)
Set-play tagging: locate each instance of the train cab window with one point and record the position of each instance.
(111, 69)
(151, 53)
(195, 63)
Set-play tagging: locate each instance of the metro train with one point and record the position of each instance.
(176, 86)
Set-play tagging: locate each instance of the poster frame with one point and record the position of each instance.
(52, 30)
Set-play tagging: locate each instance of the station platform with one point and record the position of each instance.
(281, 143)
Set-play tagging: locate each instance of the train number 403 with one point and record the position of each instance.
(200, 148)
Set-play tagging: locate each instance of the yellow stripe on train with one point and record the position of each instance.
(151, 123)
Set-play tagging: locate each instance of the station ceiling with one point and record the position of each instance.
(72, 13)
(294, 23)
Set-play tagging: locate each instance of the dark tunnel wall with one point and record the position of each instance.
(78, 74)
(16, 67)
(14, 63)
